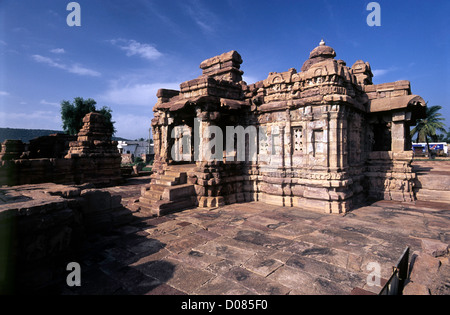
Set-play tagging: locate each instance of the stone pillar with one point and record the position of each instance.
(277, 149)
(282, 145)
(400, 131)
(334, 142)
(288, 141)
(157, 140)
(326, 137)
(343, 145)
(200, 138)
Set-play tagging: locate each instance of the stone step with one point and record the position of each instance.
(171, 177)
(181, 168)
(163, 207)
(144, 212)
(178, 192)
(144, 189)
(432, 195)
(167, 193)
(180, 176)
(433, 182)
(170, 193)
(146, 202)
(166, 182)
(174, 173)
(154, 195)
(157, 187)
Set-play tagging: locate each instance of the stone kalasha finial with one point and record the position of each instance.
(319, 54)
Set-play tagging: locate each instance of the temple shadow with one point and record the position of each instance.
(123, 260)
(123, 266)
(126, 261)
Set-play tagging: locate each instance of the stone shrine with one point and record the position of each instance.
(328, 137)
(90, 157)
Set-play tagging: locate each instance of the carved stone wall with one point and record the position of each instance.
(318, 133)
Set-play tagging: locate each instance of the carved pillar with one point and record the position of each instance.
(288, 141)
(334, 142)
(326, 138)
(282, 144)
(157, 140)
(400, 131)
(343, 141)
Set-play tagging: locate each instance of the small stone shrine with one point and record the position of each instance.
(91, 157)
(327, 138)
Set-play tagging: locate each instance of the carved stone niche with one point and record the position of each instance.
(297, 140)
(362, 72)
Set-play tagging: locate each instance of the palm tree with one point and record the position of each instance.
(429, 126)
(447, 136)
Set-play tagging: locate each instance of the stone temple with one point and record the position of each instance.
(328, 138)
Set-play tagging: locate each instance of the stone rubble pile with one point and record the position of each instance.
(429, 270)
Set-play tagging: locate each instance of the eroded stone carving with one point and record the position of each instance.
(330, 137)
(90, 157)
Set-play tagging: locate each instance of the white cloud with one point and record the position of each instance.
(75, 68)
(4, 93)
(137, 94)
(44, 102)
(203, 25)
(48, 61)
(2, 42)
(58, 51)
(381, 72)
(205, 19)
(132, 48)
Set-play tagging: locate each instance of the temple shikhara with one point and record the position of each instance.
(332, 139)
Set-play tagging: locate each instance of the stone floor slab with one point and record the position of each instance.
(255, 248)
(223, 286)
(262, 265)
(256, 283)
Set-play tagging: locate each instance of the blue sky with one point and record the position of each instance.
(124, 51)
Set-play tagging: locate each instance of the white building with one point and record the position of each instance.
(441, 146)
(137, 148)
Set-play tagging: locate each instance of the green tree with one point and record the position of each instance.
(427, 127)
(447, 136)
(72, 114)
(438, 138)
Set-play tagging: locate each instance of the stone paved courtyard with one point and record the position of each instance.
(256, 248)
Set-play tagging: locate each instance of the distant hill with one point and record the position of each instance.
(24, 134)
(28, 134)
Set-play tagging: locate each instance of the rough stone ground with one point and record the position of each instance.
(256, 248)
